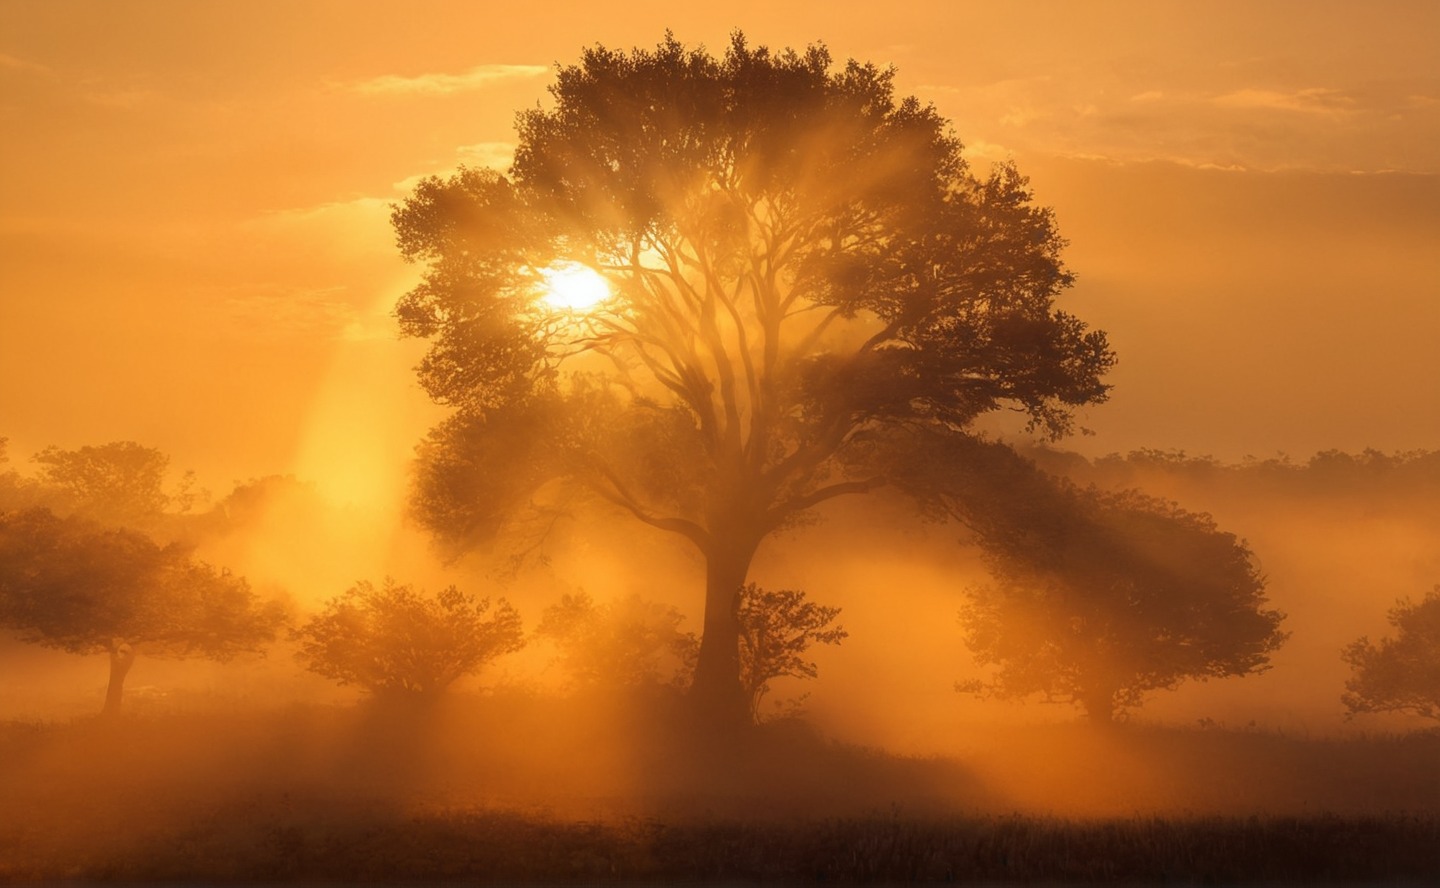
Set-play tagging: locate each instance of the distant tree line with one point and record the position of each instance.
(1413, 474)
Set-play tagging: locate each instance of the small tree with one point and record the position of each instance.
(396, 642)
(1401, 674)
(629, 642)
(71, 584)
(1100, 598)
(777, 627)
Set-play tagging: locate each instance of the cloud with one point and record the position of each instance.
(277, 311)
(495, 155)
(1305, 101)
(317, 272)
(1179, 117)
(487, 155)
(445, 84)
(323, 212)
(980, 150)
(15, 63)
(1020, 116)
(124, 99)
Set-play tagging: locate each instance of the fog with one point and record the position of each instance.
(881, 724)
(750, 536)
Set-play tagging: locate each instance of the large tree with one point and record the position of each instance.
(71, 584)
(799, 263)
(1400, 674)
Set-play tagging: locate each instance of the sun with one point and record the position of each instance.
(570, 286)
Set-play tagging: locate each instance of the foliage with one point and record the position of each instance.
(1400, 674)
(1369, 476)
(777, 627)
(800, 262)
(1099, 598)
(14, 490)
(246, 505)
(75, 585)
(71, 584)
(398, 642)
(117, 483)
(628, 642)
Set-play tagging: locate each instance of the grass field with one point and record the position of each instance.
(536, 790)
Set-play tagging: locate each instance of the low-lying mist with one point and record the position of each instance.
(228, 790)
(879, 728)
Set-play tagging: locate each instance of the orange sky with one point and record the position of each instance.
(195, 254)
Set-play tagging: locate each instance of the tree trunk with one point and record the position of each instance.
(717, 691)
(122, 657)
(1099, 706)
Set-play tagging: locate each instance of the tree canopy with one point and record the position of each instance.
(800, 263)
(71, 584)
(399, 642)
(120, 483)
(1400, 674)
(1099, 597)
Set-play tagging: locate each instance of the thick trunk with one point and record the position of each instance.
(122, 657)
(717, 691)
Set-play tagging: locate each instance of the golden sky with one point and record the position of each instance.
(195, 252)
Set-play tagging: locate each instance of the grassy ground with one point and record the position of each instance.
(574, 791)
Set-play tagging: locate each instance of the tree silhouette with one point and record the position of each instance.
(800, 264)
(1401, 674)
(399, 643)
(777, 627)
(1099, 598)
(626, 643)
(71, 584)
(14, 490)
(121, 483)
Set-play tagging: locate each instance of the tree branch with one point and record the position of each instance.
(775, 516)
(620, 495)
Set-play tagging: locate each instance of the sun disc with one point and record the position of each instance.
(571, 286)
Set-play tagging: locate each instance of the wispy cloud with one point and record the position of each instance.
(1304, 101)
(497, 155)
(444, 84)
(324, 214)
(15, 63)
(123, 99)
(487, 155)
(1258, 122)
(980, 150)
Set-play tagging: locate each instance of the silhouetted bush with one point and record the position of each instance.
(398, 642)
(1401, 674)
